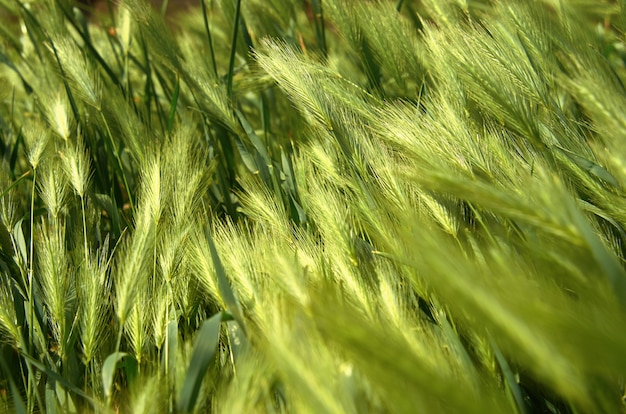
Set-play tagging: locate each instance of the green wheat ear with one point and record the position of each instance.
(320, 206)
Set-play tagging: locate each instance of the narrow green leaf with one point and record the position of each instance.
(253, 137)
(291, 188)
(203, 354)
(233, 52)
(210, 40)
(246, 156)
(584, 205)
(18, 235)
(263, 160)
(608, 262)
(82, 22)
(320, 29)
(511, 385)
(228, 295)
(108, 371)
(299, 210)
(65, 400)
(172, 346)
(223, 137)
(174, 103)
(58, 378)
(131, 369)
(591, 167)
(4, 59)
(288, 171)
(51, 397)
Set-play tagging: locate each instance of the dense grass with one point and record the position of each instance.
(313, 206)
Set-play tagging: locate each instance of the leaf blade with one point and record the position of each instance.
(203, 353)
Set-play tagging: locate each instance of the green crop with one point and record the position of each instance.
(313, 206)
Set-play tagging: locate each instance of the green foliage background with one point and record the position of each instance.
(313, 206)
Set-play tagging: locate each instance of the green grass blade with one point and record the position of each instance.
(591, 167)
(233, 52)
(511, 384)
(606, 260)
(247, 157)
(4, 59)
(109, 368)
(263, 157)
(172, 347)
(252, 136)
(51, 397)
(59, 378)
(201, 358)
(320, 27)
(170, 122)
(15, 183)
(209, 39)
(227, 292)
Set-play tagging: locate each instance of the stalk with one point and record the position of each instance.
(31, 298)
(208, 32)
(233, 52)
(82, 205)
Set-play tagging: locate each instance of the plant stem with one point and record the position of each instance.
(233, 52)
(82, 205)
(31, 296)
(208, 33)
